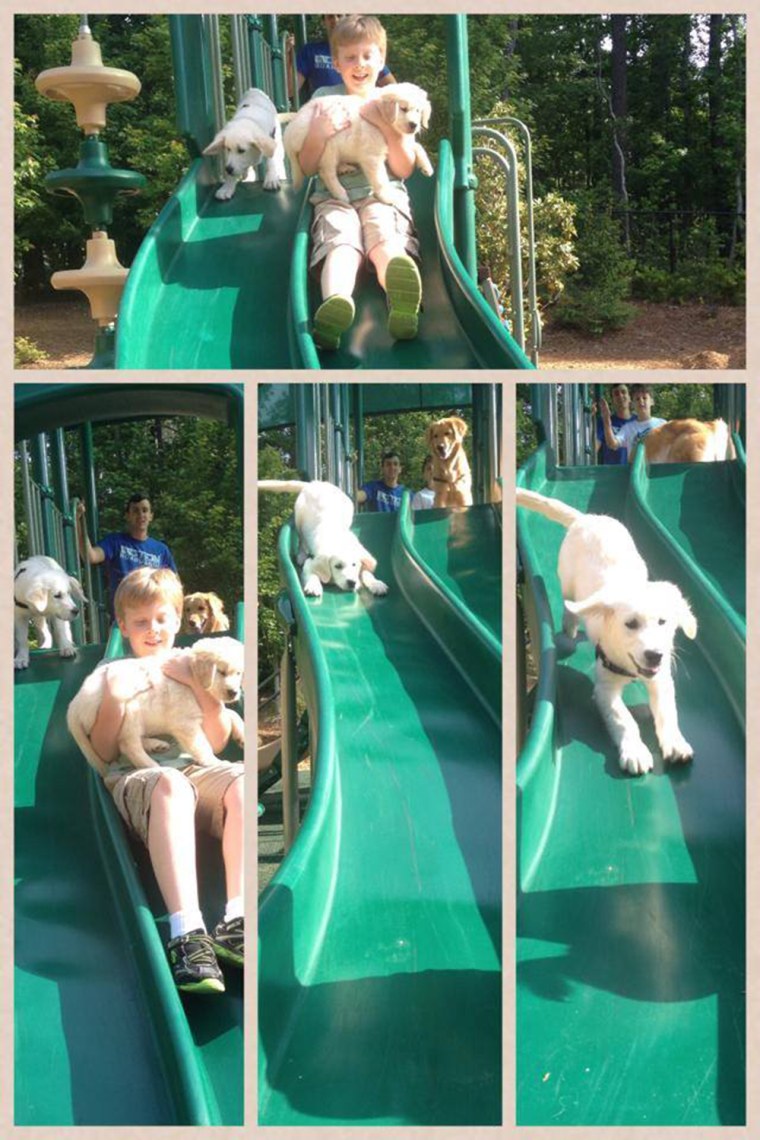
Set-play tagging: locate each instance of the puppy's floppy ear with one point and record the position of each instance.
(37, 598)
(427, 111)
(459, 426)
(204, 667)
(429, 434)
(264, 142)
(367, 561)
(685, 617)
(388, 104)
(321, 567)
(216, 605)
(76, 589)
(216, 145)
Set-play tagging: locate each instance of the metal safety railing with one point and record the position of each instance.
(507, 160)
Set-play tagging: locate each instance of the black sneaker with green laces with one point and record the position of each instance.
(229, 939)
(193, 963)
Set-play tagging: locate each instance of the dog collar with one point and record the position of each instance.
(602, 656)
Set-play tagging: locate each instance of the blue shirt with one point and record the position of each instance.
(314, 63)
(608, 455)
(124, 553)
(381, 497)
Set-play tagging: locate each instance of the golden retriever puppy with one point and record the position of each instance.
(631, 621)
(451, 468)
(252, 133)
(689, 441)
(405, 107)
(204, 613)
(159, 705)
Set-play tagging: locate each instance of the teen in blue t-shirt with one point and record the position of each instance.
(314, 65)
(384, 494)
(621, 403)
(130, 548)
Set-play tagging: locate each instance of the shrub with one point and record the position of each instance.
(25, 352)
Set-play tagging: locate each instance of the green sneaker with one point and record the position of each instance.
(193, 963)
(229, 940)
(403, 286)
(331, 320)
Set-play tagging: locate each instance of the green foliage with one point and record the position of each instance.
(595, 299)
(188, 467)
(25, 352)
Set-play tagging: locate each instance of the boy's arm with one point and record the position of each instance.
(401, 148)
(609, 436)
(324, 124)
(93, 554)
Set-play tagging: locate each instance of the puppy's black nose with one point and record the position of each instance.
(229, 168)
(652, 657)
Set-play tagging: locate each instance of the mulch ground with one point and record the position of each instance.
(659, 336)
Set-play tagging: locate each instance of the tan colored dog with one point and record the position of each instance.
(689, 441)
(204, 613)
(451, 468)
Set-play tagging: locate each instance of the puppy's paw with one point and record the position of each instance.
(156, 744)
(377, 587)
(21, 661)
(676, 749)
(225, 192)
(272, 182)
(635, 757)
(68, 651)
(313, 587)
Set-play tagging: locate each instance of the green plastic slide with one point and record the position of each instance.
(225, 285)
(102, 1037)
(631, 910)
(380, 978)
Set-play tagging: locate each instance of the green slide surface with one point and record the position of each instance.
(225, 285)
(102, 1037)
(631, 909)
(380, 978)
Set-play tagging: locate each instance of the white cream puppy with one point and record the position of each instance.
(631, 620)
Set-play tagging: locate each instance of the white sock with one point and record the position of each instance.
(234, 908)
(183, 921)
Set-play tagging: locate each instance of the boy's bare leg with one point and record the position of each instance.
(171, 841)
(339, 271)
(232, 838)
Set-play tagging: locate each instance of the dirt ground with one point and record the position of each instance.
(660, 336)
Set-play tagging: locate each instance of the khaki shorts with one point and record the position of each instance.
(131, 792)
(362, 225)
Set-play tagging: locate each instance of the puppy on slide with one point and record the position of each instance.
(630, 620)
(329, 551)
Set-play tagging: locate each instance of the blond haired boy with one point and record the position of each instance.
(345, 233)
(163, 806)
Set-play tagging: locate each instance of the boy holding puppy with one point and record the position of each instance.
(345, 233)
(162, 805)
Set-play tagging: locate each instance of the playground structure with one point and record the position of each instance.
(631, 891)
(225, 284)
(380, 933)
(93, 992)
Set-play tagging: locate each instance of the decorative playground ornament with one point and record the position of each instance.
(101, 278)
(91, 86)
(88, 84)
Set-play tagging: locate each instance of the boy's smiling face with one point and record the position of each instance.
(643, 403)
(150, 628)
(359, 65)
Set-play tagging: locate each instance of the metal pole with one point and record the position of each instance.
(42, 478)
(241, 56)
(290, 806)
(461, 142)
(509, 166)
